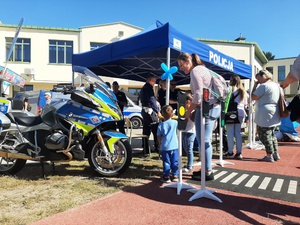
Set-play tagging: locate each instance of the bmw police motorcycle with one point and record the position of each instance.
(91, 112)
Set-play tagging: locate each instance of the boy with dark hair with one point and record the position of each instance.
(168, 142)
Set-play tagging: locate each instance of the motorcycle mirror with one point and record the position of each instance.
(92, 90)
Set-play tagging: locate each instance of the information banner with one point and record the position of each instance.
(12, 77)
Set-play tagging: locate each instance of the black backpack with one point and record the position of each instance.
(232, 115)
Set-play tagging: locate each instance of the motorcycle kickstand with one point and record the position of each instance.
(43, 169)
(53, 169)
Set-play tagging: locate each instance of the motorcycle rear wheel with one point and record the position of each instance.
(114, 165)
(10, 166)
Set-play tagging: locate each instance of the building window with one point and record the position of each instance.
(28, 87)
(270, 69)
(60, 52)
(281, 73)
(96, 45)
(21, 50)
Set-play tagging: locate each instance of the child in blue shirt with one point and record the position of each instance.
(168, 141)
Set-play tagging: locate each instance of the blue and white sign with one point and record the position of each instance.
(220, 61)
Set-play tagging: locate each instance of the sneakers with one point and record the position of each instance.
(229, 155)
(276, 156)
(266, 159)
(168, 180)
(238, 156)
(187, 170)
(197, 176)
(197, 173)
(175, 178)
(165, 179)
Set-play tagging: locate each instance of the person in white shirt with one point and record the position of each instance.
(47, 97)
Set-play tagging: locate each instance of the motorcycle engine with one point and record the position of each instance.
(56, 141)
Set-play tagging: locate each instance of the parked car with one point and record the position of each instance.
(133, 113)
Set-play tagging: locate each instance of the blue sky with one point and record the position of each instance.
(273, 24)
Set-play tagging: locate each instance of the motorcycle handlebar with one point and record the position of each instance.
(65, 90)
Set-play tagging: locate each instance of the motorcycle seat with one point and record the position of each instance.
(23, 119)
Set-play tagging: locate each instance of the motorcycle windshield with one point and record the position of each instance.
(101, 91)
(88, 77)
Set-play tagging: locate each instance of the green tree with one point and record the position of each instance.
(269, 55)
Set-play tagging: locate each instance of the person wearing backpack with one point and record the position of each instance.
(201, 77)
(238, 100)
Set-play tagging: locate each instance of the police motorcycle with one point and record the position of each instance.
(47, 137)
(56, 135)
(94, 109)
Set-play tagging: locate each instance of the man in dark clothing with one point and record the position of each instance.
(150, 110)
(122, 101)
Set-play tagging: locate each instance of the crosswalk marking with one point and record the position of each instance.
(260, 184)
(278, 185)
(252, 181)
(292, 187)
(220, 174)
(230, 176)
(264, 184)
(240, 179)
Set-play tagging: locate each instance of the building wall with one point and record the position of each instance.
(45, 75)
(241, 51)
(287, 62)
(107, 33)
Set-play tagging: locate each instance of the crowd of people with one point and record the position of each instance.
(157, 115)
(265, 94)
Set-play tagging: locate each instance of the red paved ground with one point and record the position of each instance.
(151, 204)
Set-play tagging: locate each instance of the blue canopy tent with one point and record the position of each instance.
(137, 56)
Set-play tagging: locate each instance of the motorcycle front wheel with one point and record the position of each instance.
(10, 166)
(113, 164)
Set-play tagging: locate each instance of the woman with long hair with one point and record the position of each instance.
(234, 130)
(200, 78)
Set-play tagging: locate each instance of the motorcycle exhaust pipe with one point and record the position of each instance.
(5, 154)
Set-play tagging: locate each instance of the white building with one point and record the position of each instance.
(43, 54)
(246, 52)
(280, 68)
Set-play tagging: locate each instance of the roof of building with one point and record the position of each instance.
(41, 28)
(109, 24)
(68, 29)
(284, 58)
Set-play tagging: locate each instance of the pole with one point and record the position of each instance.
(250, 102)
(181, 127)
(222, 162)
(168, 80)
(200, 193)
(179, 185)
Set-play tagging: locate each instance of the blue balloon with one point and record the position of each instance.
(168, 72)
